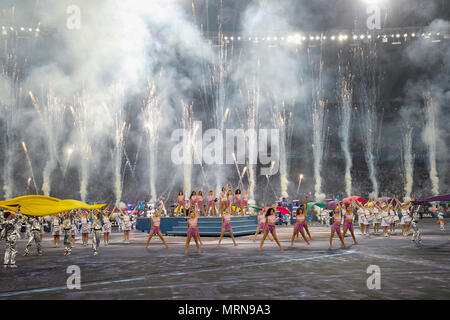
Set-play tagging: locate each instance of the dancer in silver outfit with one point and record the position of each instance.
(35, 225)
(10, 232)
(416, 237)
(97, 226)
(68, 230)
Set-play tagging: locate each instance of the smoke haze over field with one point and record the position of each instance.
(96, 106)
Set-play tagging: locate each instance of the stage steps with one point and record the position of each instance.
(212, 226)
(208, 226)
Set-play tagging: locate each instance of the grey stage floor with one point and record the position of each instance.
(127, 271)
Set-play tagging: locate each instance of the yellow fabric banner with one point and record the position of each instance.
(36, 205)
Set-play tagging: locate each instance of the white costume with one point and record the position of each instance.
(362, 216)
(126, 223)
(406, 219)
(85, 226)
(415, 227)
(56, 225)
(385, 221)
(106, 224)
(441, 220)
(377, 217)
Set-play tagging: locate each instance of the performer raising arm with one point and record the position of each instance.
(336, 226)
(192, 231)
(155, 229)
(226, 225)
(300, 222)
(269, 227)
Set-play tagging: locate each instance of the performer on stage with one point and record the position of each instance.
(269, 227)
(300, 222)
(200, 203)
(181, 203)
(230, 201)
(336, 225)
(244, 202)
(192, 231)
(35, 235)
(126, 223)
(237, 201)
(222, 200)
(210, 204)
(261, 223)
(193, 199)
(155, 229)
(226, 225)
(10, 232)
(348, 221)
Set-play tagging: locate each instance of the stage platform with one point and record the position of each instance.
(207, 226)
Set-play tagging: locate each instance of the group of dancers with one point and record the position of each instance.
(236, 201)
(65, 223)
(384, 215)
(343, 216)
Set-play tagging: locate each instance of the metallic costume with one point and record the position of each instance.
(415, 227)
(56, 227)
(35, 224)
(106, 226)
(85, 227)
(97, 225)
(11, 232)
(74, 226)
(441, 220)
(126, 222)
(27, 225)
(68, 226)
(405, 220)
